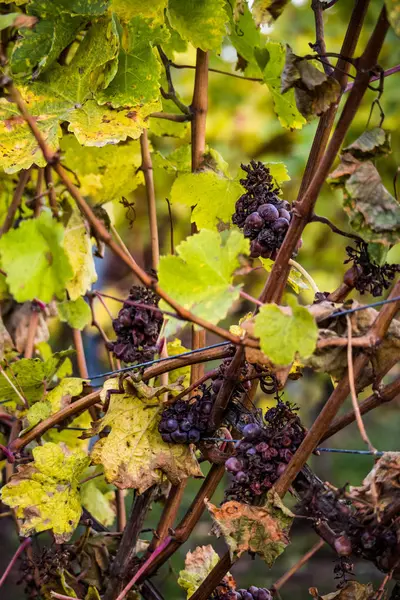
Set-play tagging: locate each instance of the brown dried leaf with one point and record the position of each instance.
(351, 591)
(333, 359)
(314, 90)
(371, 144)
(260, 529)
(381, 487)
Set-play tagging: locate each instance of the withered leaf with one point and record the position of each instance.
(314, 90)
(381, 487)
(260, 529)
(351, 591)
(371, 144)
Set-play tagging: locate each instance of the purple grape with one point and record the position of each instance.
(285, 205)
(251, 431)
(233, 465)
(179, 437)
(185, 425)
(167, 438)
(241, 477)
(253, 590)
(285, 214)
(280, 224)
(255, 249)
(266, 254)
(268, 212)
(171, 425)
(206, 408)
(281, 468)
(193, 436)
(264, 594)
(216, 386)
(254, 221)
(251, 452)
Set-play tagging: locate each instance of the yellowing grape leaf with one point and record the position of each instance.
(106, 173)
(75, 312)
(285, 331)
(45, 494)
(35, 261)
(78, 248)
(198, 564)
(97, 496)
(284, 104)
(393, 12)
(260, 529)
(96, 125)
(203, 24)
(213, 197)
(133, 454)
(200, 276)
(128, 9)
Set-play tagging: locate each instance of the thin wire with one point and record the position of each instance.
(353, 310)
(337, 450)
(159, 360)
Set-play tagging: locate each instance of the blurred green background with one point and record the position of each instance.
(241, 125)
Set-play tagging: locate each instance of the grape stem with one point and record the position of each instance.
(12, 562)
(305, 274)
(147, 168)
(23, 179)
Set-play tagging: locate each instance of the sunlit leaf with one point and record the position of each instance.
(133, 454)
(78, 248)
(44, 493)
(203, 24)
(75, 312)
(200, 276)
(34, 258)
(198, 564)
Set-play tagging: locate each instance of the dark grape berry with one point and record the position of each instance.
(137, 327)
(268, 212)
(366, 275)
(263, 453)
(262, 215)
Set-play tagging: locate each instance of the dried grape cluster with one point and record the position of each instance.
(252, 593)
(263, 453)
(186, 422)
(262, 215)
(137, 327)
(366, 275)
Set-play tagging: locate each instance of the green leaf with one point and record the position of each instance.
(128, 9)
(393, 12)
(285, 332)
(78, 248)
(55, 364)
(198, 564)
(92, 594)
(213, 197)
(37, 413)
(373, 212)
(203, 24)
(284, 104)
(11, 20)
(263, 530)
(89, 8)
(246, 38)
(74, 312)
(178, 161)
(133, 454)
(200, 276)
(45, 494)
(279, 172)
(265, 11)
(97, 497)
(37, 48)
(106, 173)
(137, 80)
(36, 263)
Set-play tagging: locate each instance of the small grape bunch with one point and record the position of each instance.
(260, 213)
(263, 453)
(137, 327)
(252, 593)
(186, 422)
(243, 384)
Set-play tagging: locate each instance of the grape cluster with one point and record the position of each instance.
(137, 327)
(263, 453)
(365, 275)
(262, 215)
(252, 593)
(186, 422)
